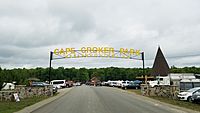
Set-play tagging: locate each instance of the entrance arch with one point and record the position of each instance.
(105, 52)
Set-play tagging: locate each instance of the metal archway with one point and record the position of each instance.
(105, 53)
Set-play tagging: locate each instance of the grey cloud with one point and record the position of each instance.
(33, 28)
(30, 29)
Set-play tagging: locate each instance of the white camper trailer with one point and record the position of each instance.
(8, 86)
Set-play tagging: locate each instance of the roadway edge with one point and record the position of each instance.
(150, 100)
(36, 106)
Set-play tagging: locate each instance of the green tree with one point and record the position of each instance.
(1, 79)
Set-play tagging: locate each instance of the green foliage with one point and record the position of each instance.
(1, 79)
(1, 83)
(193, 69)
(82, 74)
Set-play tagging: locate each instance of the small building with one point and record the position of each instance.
(94, 81)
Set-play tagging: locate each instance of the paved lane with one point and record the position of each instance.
(89, 99)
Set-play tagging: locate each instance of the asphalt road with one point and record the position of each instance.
(89, 99)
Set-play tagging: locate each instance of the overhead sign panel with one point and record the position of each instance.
(96, 52)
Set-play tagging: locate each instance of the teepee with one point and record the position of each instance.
(160, 66)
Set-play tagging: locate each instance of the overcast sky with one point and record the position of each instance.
(30, 29)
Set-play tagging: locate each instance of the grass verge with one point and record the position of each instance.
(137, 91)
(179, 103)
(10, 107)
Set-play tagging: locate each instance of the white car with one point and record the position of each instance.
(119, 83)
(113, 84)
(124, 84)
(187, 95)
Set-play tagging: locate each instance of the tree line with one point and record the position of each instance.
(21, 75)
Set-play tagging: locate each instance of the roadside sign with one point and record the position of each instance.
(16, 97)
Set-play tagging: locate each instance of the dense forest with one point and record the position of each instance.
(21, 76)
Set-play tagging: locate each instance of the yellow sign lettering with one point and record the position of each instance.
(97, 52)
(56, 51)
(83, 49)
(61, 51)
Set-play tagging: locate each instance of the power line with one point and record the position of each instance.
(183, 56)
(179, 56)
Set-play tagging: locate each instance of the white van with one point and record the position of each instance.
(58, 83)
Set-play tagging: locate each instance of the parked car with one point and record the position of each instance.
(125, 84)
(196, 97)
(113, 84)
(119, 83)
(132, 85)
(137, 81)
(87, 83)
(77, 84)
(39, 84)
(104, 83)
(55, 89)
(98, 83)
(187, 95)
